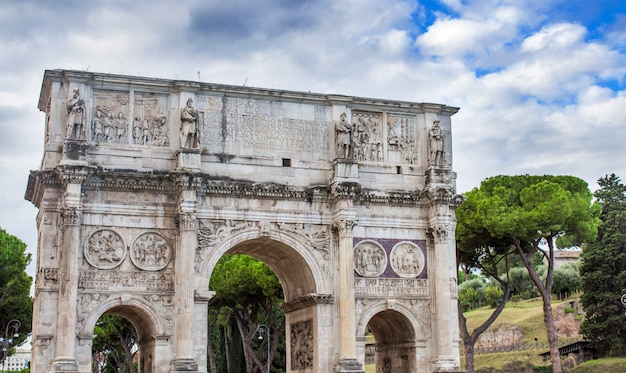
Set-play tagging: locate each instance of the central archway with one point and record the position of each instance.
(307, 310)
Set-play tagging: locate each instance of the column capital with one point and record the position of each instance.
(186, 221)
(71, 216)
(345, 226)
(439, 233)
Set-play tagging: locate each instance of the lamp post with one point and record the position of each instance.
(260, 329)
(5, 341)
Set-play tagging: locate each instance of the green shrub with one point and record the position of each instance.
(493, 295)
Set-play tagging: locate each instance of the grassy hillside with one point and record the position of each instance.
(528, 315)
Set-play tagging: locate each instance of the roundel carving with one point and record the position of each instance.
(105, 249)
(150, 252)
(407, 259)
(370, 259)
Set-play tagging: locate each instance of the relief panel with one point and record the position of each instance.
(370, 259)
(109, 122)
(150, 252)
(105, 249)
(367, 136)
(302, 346)
(401, 139)
(150, 122)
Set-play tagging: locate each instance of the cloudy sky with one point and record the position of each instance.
(540, 83)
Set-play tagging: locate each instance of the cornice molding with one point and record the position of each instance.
(205, 185)
(306, 301)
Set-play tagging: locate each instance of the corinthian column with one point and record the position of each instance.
(71, 218)
(442, 227)
(184, 287)
(344, 221)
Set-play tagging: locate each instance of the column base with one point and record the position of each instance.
(64, 364)
(348, 366)
(184, 365)
(447, 365)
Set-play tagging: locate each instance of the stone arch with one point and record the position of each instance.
(149, 325)
(138, 311)
(396, 331)
(309, 277)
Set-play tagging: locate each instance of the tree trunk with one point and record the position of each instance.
(210, 351)
(553, 338)
(469, 340)
(545, 290)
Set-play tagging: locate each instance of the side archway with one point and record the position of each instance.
(151, 328)
(396, 333)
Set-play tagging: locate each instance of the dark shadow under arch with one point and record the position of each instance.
(292, 270)
(395, 342)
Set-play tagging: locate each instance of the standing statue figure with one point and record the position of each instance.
(437, 154)
(344, 137)
(189, 130)
(76, 117)
(97, 127)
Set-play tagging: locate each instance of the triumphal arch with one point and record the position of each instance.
(145, 183)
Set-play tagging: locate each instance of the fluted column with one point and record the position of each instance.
(71, 218)
(184, 286)
(442, 227)
(345, 221)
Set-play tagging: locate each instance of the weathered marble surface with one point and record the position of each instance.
(145, 183)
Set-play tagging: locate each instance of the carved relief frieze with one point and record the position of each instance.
(87, 302)
(165, 307)
(211, 233)
(420, 309)
(302, 345)
(367, 136)
(109, 123)
(48, 278)
(126, 280)
(407, 259)
(150, 122)
(390, 286)
(150, 252)
(105, 249)
(401, 138)
(370, 259)
(317, 238)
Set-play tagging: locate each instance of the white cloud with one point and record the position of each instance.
(537, 94)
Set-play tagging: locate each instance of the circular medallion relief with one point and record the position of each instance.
(407, 259)
(105, 249)
(370, 259)
(150, 252)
